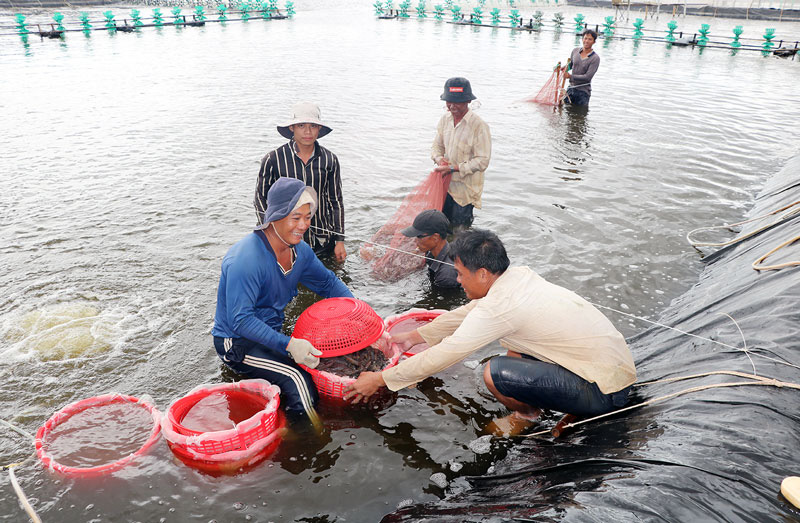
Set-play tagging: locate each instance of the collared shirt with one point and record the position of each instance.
(442, 274)
(321, 173)
(531, 316)
(583, 70)
(469, 145)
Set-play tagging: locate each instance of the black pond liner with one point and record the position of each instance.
(714, 455)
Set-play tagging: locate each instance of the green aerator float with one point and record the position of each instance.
(495, 13)
(378, 8)
(438, 13)
(703, 40)
(404, 6)
(290, 9)
(638, 24)
(608, 26)
(244, 10)
(176, 15)
(537, 20)
(58, 18)
(514, 18)
(456, 11)
(737, 32)
(85, 25)
(421, 9)
(137, 18)
(21, 28)
(578, 23)
(769, 34)
(221, 15)
(477, 15)
(671, 26)
(111, 25)
(558, 21)
(158, 17)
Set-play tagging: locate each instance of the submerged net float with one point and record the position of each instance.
(201, 441)
(48, 432)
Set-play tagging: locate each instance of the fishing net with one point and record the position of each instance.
(553, 91)
(392, 263)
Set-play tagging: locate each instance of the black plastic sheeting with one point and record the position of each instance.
(714, 455)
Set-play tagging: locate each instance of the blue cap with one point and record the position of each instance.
(282, 198)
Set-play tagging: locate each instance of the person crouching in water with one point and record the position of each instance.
(259, 278)
(563, 353)
(430, 233)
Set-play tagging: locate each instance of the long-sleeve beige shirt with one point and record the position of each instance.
(531, 316)
(469, 145)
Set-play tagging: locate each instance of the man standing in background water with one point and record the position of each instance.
(463, 147)
(305, 159)
(584, 65)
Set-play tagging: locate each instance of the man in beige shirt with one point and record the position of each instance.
(563, 353)
(463, 147)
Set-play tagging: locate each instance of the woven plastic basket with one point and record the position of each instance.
(339, 326)
(80, 406)
(332, 386)
(239, 444)
(410, 320)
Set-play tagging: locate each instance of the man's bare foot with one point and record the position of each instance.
(513, 424)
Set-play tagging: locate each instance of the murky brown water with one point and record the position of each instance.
(130, 164)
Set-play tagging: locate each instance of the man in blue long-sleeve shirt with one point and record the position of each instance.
(260, 274)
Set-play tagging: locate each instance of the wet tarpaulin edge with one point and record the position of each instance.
(736, 436)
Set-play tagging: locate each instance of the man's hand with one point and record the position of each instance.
(339, 252)
(365, 386)
(567, 75)
(303, 352)
(406, 340)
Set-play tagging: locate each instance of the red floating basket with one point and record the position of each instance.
(80, 406)
(410, 320)
(339, 326)
(245, 444)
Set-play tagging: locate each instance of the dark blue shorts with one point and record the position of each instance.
(550, 386)
(253, 360)
(578, 96)
(457, 214)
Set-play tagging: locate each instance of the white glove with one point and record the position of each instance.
(303, 352)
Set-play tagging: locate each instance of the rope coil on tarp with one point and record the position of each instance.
(759, 267)
(783, 218)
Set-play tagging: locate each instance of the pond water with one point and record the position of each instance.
(130, 163)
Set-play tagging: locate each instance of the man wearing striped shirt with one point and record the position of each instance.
(305, 159)
(462, 147)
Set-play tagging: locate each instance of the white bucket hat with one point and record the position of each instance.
(304, 112)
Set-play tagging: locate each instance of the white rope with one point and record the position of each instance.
(10, 468)
(384, 246)
(745, 236)
(21, 495)
(693, 335)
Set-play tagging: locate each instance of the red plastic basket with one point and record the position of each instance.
(246, 435)
(416, 318)
(80, 406)
(332, 386)
(339, 326)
